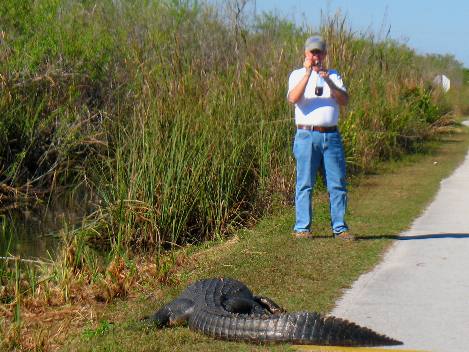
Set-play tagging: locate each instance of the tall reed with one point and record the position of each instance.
(173, 121)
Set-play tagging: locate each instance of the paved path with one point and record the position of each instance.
(420, 292)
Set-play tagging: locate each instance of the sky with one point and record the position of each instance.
(428, 26)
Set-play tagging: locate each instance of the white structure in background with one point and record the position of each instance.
(443, 82)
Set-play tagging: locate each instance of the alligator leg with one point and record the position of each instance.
(254, 305)
(242, 305)
(269, 304)
(174, 313)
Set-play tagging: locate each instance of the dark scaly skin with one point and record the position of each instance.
(226, 309)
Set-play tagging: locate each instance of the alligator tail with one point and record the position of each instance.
(298, 328)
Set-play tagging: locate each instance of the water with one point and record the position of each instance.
(31, 234)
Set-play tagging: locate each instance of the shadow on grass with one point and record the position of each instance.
(414, 237)
(319, 237)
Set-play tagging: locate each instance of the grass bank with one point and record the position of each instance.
(299, 274)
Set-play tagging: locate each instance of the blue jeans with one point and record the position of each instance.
(313, 149)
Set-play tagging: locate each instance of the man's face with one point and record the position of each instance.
(315, 56)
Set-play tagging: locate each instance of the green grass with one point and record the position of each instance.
(298, 274)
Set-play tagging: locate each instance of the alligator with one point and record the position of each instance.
(226, 309)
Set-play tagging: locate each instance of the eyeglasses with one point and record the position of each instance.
(316, 52)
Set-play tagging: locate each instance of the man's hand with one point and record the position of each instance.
(324, 73)
(308, 64)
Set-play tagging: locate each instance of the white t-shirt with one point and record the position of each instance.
(311, 109)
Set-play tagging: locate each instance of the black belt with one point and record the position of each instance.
(317, 128)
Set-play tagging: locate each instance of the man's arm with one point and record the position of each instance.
(340, 96)
(299, 90)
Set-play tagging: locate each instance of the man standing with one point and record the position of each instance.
(317, 140)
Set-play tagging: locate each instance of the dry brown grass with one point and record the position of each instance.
(47, 317)
(57, 307)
